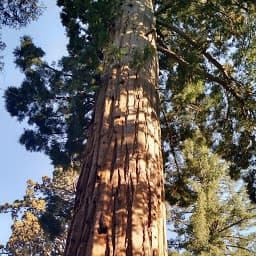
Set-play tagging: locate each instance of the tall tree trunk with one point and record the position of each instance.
(119, 208)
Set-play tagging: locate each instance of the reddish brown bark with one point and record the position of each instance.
(119, 207)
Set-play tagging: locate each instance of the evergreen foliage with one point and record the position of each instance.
(207, 82)
(19, 13)
(207, 61)
(55, 102)
(40, 219)
(219, 221)
(16, 14)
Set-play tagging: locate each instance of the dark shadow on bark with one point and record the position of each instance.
(120, 189)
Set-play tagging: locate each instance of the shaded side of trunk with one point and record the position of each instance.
(119, 207)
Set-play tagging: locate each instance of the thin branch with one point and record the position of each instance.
(172, 55)
(56, 70)
(238, 237)
(233, 224)
(239, 247)
(171, 143)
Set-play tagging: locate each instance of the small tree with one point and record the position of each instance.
(40, 219)
(219, 221)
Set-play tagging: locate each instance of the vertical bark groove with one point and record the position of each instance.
(119, 208)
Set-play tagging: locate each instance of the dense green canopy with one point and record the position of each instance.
(16, 14)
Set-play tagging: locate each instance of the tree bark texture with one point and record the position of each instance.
(119, 208)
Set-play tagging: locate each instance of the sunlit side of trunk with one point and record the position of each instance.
(119, 207)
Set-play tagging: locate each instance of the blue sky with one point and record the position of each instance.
(17, 164)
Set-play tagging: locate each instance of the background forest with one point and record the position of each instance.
(207, 91)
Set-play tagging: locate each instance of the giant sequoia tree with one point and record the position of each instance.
(206, 97)
(119, 207)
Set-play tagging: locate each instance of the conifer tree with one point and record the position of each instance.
(206, 51)
(119, 207)
(219, 221)
(40, 219)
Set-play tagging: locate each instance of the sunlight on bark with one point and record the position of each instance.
(119, 207)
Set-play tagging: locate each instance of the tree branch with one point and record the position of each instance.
(171, 143)
(56, 70)
(172, 55)
(233, 224)
(209, 76)
(239, 247)
(227, 81)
